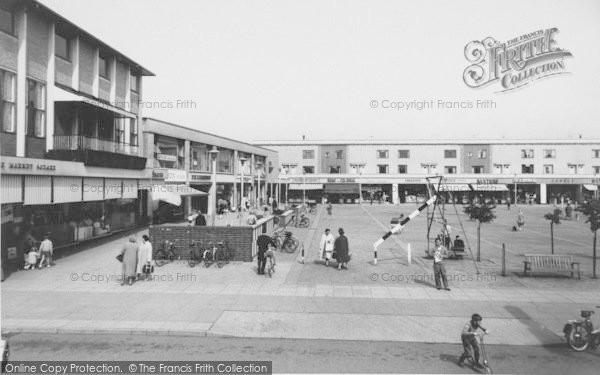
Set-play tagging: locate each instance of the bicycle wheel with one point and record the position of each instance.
(192, 259)
(291, 244)
(161, 258)
(220, 255)
(207, 257)
(305, 222)
(578, 338)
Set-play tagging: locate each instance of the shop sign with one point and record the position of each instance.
(413, 180)
(166, 157)
(487, 181)
(341, 180)
(523, 180)
(28, 166)
(562, 181)
(200, 177)
(175, 175)
(158, 173)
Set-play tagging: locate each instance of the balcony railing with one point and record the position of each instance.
(81, 142)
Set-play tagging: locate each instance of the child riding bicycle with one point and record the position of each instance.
(470, 341)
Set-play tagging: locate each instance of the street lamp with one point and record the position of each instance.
(258, 169)
(242, 161)
(213, 155)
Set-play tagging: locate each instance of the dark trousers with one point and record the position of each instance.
(471, 347)
(262, 261)
(440, 271)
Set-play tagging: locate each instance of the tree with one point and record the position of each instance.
(554, 218)
(591, 210)
(483, 213)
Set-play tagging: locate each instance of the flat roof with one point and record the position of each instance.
(318, 142)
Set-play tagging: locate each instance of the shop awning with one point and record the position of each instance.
(490, 187)
(341, 189)
(305, 187)
(172, 193)
(454, 187)
(591, 187)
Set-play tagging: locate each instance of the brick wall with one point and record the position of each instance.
(86, 67)
(37, 46)
(239, 238)
(9, 47)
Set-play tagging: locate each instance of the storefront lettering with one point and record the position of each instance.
(30, 166)
(563, 181)
(485, 181)
(198, 177)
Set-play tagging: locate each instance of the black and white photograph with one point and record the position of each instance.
(300, 186)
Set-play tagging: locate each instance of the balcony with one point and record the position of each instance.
(82, 142)
(96, 152)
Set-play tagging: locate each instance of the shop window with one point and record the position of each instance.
(7, 21)
(477, 169)
(308, 154)
(382, 154)
(382, 168)
(225, 161)
(62, 46)
(549, 154)
(308, 169)
(36, 108)
(402, 169)
(450, 154)
(527, 168)
(527, 154)
(548, 169)
(450, 170)
(7, 101)
(403, 154)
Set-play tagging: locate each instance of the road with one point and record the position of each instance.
(306, 356)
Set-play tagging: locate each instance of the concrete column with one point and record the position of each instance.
(236, 171)
(113, 80)
(187, 209)
(96, 70)
(21, 28)
(75, 63)
(50, 71)
(396, 193)
(253, 179)
(543, 194)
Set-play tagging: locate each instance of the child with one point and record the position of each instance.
(31, 259)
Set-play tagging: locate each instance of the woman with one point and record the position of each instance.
(520, 220)
(326, 246)
(342, 250)
(144, 257)
(129, 253)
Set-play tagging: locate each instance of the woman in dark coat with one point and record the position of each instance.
(342, 250)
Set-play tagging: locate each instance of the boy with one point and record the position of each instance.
(470, 342)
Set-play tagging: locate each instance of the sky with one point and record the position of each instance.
(280, 70)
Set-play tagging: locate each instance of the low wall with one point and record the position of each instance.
(242, 240)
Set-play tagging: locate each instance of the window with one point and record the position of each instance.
(326, 154)
(402, 168)
(120, 130)
(596, 154)
(288, 168)
(403, 154)
(7, 21)
(429, 168)
(450, 169)
(308, 169)
(339, 154)
(134, 82)
(527, 154)
(527, 168)
(549, 154)
(596, 169)
(357, 168)
(482, 154)
(7, 101)
(382, 154)
(470, 154)
(477, 169)
(501, 168)
(450, 154)
(548, 169)
(62, 47)
(308, 154)
(133, 132)
(36, 108)
(382, 168)
(103, 68)
(336, 169)
(168, 152)
(575, 168)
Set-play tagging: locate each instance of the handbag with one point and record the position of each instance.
(148, 268)
(120, 257)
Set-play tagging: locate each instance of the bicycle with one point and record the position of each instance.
(285, 240)
(312, 209)
(223, 254)
(301, 221)
(196, 254)
(167, 254)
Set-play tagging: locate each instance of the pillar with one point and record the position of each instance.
(236, 171)
(396, 193)
(543, 194)
(21, 28)
(50, 89)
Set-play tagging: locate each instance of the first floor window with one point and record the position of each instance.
(133, 132)
(336, 169)
(382, 168)
(548, 169)
(597, 169)
(308, 169)
(450, 169)
(308, 154)
(527, 168)
(7, 101)
(527, 154)
(36, 108)
(450, 154)
(403, 154)
(477, 169)
(402, 169)
(596, 154)
(382, 154)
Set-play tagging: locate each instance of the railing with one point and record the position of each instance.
(81, 142)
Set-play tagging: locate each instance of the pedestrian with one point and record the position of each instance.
(326, 246)
(130, 256)
(329, 209)
(46, 251)
(342, 250)
(31, 259)
(144, 259)
(508, 204)
(470, 342)
(520, 220)
(439, 253)
(263, 241)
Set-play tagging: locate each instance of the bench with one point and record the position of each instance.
(550, 263)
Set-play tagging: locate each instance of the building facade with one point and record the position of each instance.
(71, 157)
(540, 171)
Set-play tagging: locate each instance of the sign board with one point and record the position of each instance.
(175, 175)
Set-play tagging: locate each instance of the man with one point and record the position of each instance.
(263, 243)
(439, 253)
(326, 246)
(470, 342)
(46, 251)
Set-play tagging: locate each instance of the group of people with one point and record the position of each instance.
(137, 260)
(43, 254)
(338, 249)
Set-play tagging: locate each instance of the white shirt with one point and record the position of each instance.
(439, 253)
(46, 245)
(327, 241)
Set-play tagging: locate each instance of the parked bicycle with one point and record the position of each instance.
(285, 241)
(218, 253)
(167, 254)
(301, 221)
(312, 208)
(196, 253)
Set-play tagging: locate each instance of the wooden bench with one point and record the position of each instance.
(550, 263)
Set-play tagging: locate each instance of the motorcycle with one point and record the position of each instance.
(580, 334)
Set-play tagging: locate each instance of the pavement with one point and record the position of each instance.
(392, 301)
